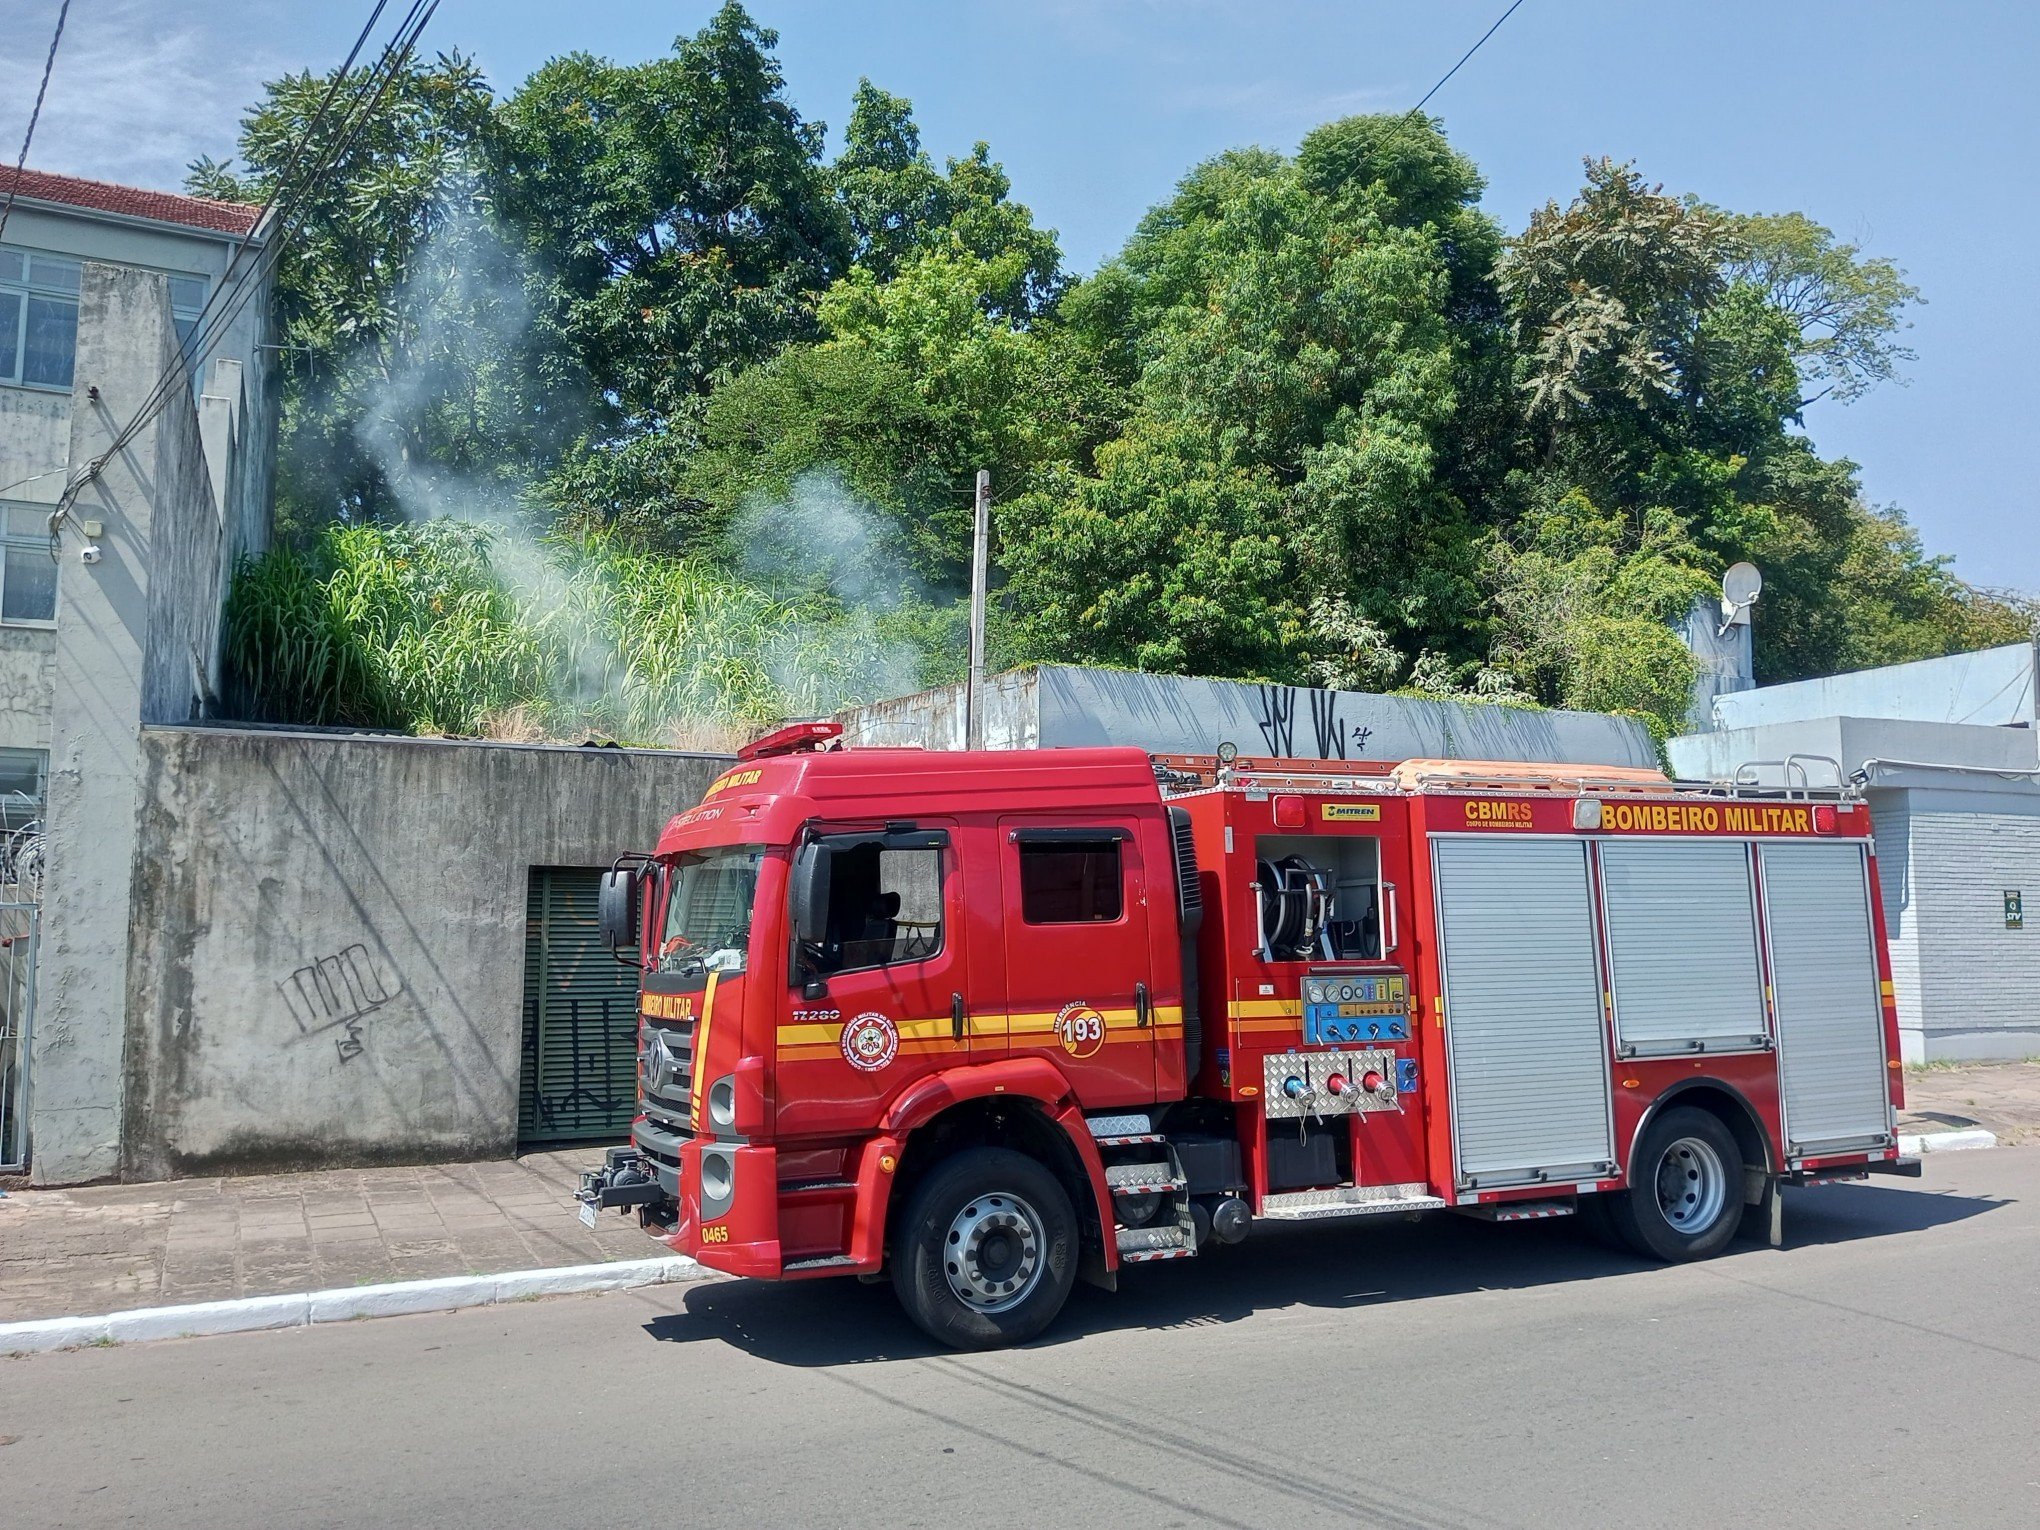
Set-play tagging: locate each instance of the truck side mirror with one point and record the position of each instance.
(617, 907)
(808, 902)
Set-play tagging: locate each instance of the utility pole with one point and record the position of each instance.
(980, 543)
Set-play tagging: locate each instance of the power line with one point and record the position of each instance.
(284, 209)
(35, 113)
(1469, 53)
(226, 300)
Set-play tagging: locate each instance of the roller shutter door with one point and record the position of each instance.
(1682, 946)
(579, 1076)
(1523, 1027)
(1824, 981)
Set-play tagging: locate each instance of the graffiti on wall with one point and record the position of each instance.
(338, 992)
(1331, 737)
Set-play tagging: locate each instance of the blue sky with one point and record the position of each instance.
(1911, 129)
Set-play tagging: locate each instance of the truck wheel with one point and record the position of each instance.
(987, 1250)
(1685, 1188)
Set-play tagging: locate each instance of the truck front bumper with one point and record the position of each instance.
(626, 1182)
(714, 1202)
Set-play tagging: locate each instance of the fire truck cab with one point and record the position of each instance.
(989, 1022)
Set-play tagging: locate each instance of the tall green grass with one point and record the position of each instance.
(449, 626)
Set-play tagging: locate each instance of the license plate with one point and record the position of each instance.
(587, 1213)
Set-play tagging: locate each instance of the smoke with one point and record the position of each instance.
(823, 539)
(822, 611)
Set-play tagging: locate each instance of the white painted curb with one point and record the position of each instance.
(1947, 1142)
(250, 1313)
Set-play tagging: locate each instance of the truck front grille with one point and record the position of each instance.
(666, 1070)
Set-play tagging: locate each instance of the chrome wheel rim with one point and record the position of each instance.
(1692, 1186)
(991, 1254)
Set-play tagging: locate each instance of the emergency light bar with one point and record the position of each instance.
(794, 738)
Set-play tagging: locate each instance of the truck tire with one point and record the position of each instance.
(986, 1251)
(1685, 1195)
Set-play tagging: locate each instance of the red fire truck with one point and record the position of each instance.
(993, 1021)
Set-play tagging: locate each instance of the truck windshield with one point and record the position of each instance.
(708, 913)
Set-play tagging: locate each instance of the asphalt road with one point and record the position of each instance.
(1883, 1369)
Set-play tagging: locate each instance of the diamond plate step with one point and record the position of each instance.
(1138, 1124)
(1137, 1245)
(1141, 1178)
(1349, 1201)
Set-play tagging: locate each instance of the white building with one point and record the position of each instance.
(1948, 753)
(110, 298)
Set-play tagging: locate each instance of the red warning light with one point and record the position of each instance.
(1824, 819)
(1289, 812)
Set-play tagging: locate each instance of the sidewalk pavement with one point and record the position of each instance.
(1999, 1097)
(108, 1248)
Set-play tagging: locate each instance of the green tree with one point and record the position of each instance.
(398, 302)
(899, 205)
(680, 209)
(1303, 324)
(1846, 308)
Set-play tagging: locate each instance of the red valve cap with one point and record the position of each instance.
(1371, 1082)
(1338, 1083)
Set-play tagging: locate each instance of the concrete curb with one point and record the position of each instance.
(249, 1314)
(1946, 1142)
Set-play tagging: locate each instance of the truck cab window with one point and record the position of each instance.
(1071, 882)
(885, 906)
(708, 910)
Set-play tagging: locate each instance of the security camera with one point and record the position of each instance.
(91, 553)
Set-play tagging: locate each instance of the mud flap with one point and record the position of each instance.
(1763, 1219)
(1092, 1272)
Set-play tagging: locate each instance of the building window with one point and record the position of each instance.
(23, 785)
(28, 574)
(39, 316)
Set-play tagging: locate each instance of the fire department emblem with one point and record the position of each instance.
(870, 1041)
(1080, 1029)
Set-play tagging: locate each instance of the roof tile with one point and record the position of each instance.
(130, 201)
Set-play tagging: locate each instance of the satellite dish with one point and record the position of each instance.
(1740, 587)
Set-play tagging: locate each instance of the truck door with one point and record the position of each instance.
(1079, 979)
(875, 1001)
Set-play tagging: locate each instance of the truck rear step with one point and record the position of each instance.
(1137, 1245)
(1133, 1179)
(1349, 1201)
(1123, 1130)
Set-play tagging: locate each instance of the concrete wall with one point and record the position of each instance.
(1723, 658)
(1991, 687)
(1850, 742)
(264, 852)
(1062, 706)
(125, 341)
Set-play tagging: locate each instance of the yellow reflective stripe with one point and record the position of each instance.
(1165, 1017)
(701, 1049)
(1254, 1009)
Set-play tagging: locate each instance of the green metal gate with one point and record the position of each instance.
(579, 1074)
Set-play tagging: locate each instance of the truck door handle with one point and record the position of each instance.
(1140, 1004)
(956, 1020)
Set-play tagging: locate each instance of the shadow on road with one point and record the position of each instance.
(1358, 1264)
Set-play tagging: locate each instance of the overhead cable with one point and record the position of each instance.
(34, 115)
